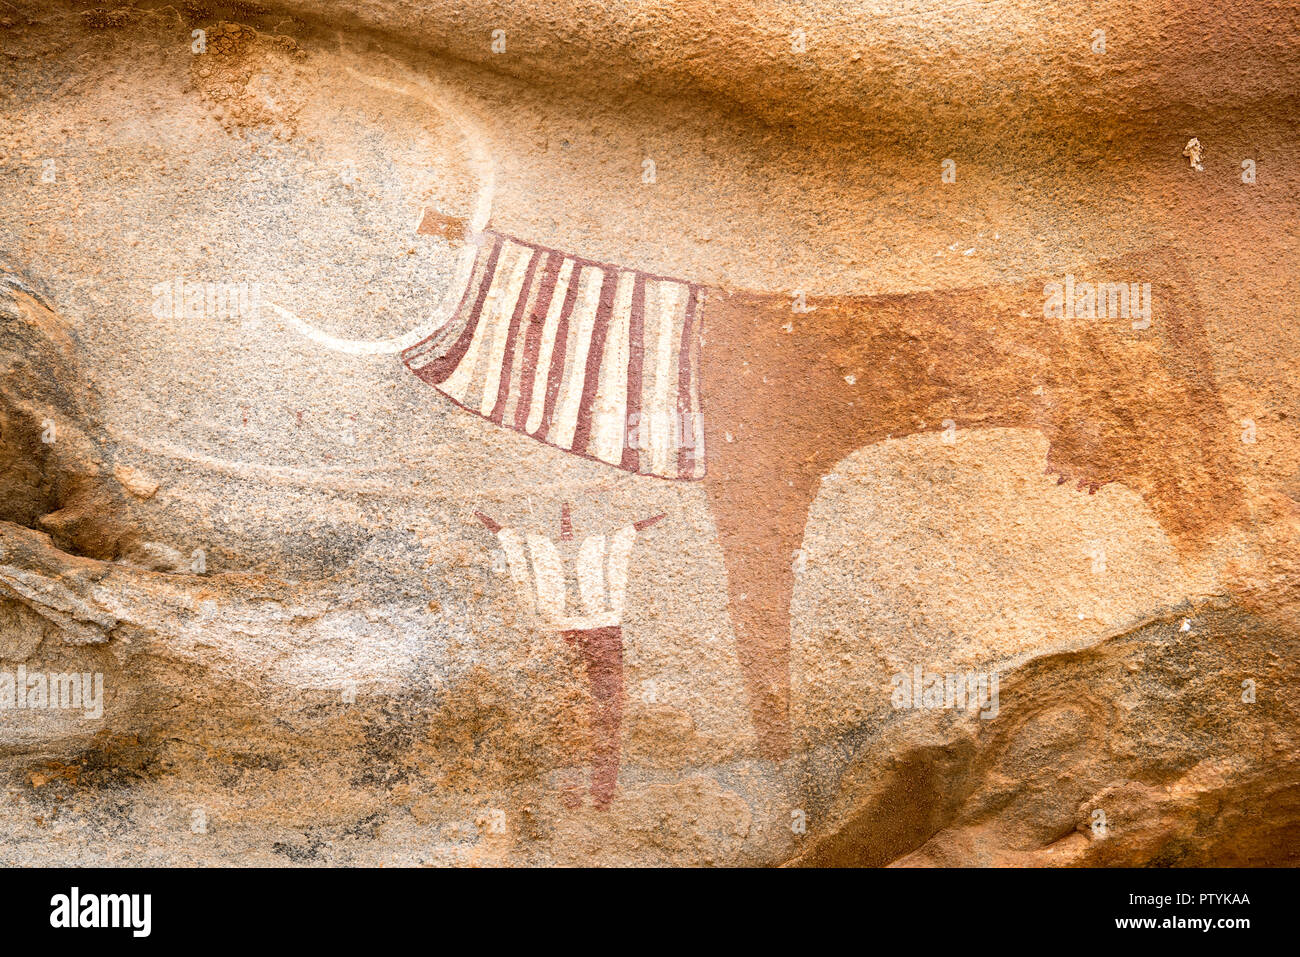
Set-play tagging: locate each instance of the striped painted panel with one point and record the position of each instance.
(589, 357)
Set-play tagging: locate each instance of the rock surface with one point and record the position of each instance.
(222, 493)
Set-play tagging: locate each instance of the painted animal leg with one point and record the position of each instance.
(780, 416)
(787, 395)
(760, 521)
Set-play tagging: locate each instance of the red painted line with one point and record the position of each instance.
(493, 526)
(645, 523)
(602, 653)
(635, 365)
(512, 341)
(533, 343)
(595, 355)
(686, 451)
(556, 374)
(439, 369)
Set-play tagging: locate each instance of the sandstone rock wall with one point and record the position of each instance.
(223, 493)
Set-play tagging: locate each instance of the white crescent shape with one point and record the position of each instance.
(485, 170)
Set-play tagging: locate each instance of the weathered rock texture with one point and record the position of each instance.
(262, 531)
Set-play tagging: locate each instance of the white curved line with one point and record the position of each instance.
(484, 168)
(385, 347)
(482, 159)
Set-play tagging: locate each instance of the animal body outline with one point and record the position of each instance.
(770, 401)
(772, 398)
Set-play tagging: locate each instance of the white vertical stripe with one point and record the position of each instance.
(458, 383)
(570, 399)
(693, 429)
(501, 329)
(548, 572)
(664, 406)
(543, 373)
(649, 375)
(591, 574)
(697, 422)
(609, 411)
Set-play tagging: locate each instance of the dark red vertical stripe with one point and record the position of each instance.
(556, 374)
(533, 341)
(595, 353)
(602, 652)
(512, 339)
(635, 365)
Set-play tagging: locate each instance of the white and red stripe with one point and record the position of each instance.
(599, 570)
(588, 357)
